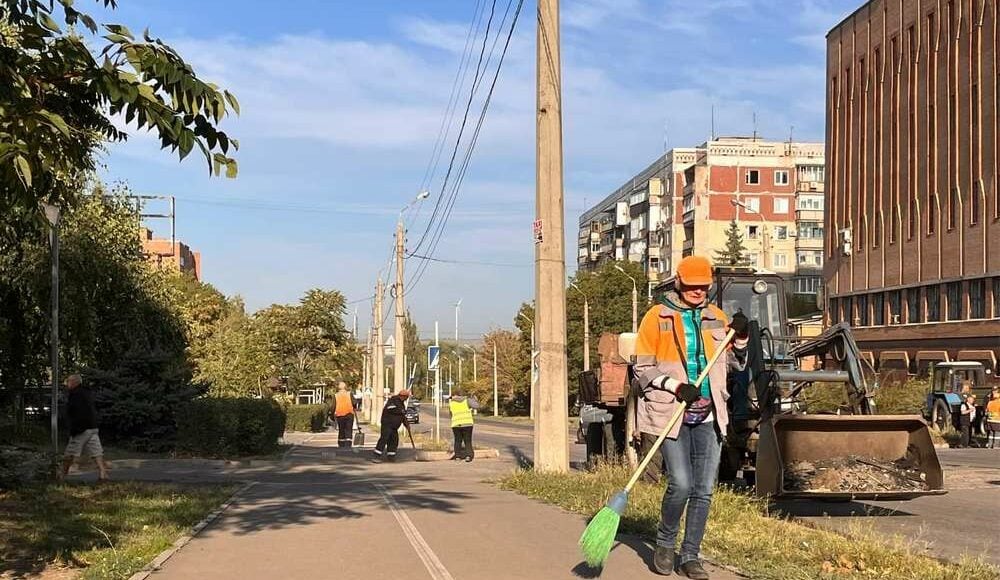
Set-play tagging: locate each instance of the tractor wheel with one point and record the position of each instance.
(941, 415)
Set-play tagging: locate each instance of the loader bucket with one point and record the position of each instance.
(788, 440)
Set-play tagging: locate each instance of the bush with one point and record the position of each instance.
(306, 418)
(230, 427)
(20, 466)
(138, 401)
(907, 398)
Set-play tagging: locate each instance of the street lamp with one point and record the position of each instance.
(457, 306)
(475, 363)
(52, 215)
(531, 369)
(765, 241)
(586, 327)
(635, 299)
(399, 361)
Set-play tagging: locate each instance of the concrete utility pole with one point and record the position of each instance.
(635, 299)
(586, 327)
(378, 395)
(398, 364)
(496, 395)
(551, 436)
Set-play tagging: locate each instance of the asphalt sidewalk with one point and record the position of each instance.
(321, 513)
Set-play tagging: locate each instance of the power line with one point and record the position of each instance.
(474, 263)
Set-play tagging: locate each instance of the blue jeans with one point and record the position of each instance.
(692, 466)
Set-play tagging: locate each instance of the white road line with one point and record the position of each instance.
(423, 550)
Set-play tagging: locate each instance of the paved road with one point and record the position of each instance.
(323, 514)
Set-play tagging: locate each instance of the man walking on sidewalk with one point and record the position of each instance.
(343, 413)
(393, 417)
(461, 426)
(83, 435)
(676, 340)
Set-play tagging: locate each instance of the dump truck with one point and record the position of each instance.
(770, 439)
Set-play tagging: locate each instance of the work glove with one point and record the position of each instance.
(740, 325)
(687, 393)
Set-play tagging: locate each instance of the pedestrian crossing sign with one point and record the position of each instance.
(433, 357)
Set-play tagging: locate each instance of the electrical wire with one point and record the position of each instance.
(471, 262)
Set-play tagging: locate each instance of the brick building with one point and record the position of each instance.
(683, 203)
(913, 215)
(173, 254)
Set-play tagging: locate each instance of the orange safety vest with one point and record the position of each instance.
(344, 405)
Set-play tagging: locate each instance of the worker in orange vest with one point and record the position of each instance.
(676, 340)
(343, 413)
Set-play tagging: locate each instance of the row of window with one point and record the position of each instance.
(752, 177)
(808, 230)
(808, 284)
(933, 303)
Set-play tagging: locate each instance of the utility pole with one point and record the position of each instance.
(399, 365)
(496, 396)
(551, 436)
(378, 384)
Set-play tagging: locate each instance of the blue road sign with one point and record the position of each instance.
(433, 357)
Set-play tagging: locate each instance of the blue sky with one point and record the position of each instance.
(342, 103)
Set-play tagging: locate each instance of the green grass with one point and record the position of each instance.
(107, 531)
(743, 534)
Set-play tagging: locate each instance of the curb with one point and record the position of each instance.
(421, 455)
(182, 541)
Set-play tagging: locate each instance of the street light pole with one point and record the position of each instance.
(398, 360)
(496, 396)
(635, 299)
(52, 215)
(586, 327)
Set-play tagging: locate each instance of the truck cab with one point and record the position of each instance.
(944, 398)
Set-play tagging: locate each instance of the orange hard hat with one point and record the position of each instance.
(695, 271)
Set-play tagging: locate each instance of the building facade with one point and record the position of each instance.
(913, 203)
(170, 254)
(684, 202)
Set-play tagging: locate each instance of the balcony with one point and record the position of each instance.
(809, 243)
(809, 215)
(810, 186)
(688, 246)
(689, 189)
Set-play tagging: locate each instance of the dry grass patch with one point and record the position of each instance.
(742, 533)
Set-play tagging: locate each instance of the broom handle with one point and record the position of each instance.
(679, 412)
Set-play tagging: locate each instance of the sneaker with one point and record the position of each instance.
(663, 561)
(694, 570)
(468, 460)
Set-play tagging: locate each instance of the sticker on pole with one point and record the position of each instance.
(538, 231)
(433, 357)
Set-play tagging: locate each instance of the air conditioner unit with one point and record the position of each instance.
(845, 242)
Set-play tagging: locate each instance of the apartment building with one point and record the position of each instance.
(173, 254)
(913, 205)
(683, 203)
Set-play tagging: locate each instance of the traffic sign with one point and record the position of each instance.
(433, 357)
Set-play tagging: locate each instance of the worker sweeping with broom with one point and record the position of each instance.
(684, 339)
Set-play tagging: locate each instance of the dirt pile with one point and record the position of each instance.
(855, 474)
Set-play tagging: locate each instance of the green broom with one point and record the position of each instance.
(597, 539)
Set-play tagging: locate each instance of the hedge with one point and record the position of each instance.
(310, 418)
(228, 427)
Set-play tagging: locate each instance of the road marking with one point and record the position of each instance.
(433, 564)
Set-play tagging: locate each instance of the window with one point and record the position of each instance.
(933, 297)
(781, 232)
(809, 285)
(818, 258)
(895, 307)
(780, 205)
(977, 298)
(954, 292)
(815, 173)
(913, 305)
(781, 178)
(878, 309)
(810, 202)
(753, 177)
(595, 247)
(811, 230)
(780, 260)
(752, 232)
(638, 197)
(803, 258)
(753, 204)
(654, 264)
(863, 310)
(996, 298)
(754, 259)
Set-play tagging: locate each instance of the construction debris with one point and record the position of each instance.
(854, 474)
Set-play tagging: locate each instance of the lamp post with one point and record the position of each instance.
(765, 241)
(586, 327)
(635, 299)
(457, 306)
(398, 361)
(475, 363)
(531, 366)
(52, 215)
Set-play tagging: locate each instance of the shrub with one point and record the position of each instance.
(138, 401)
(306, 417)
(906, 398)
(230, 427)
(21, 466)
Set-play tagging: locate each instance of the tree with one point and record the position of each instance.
(735, 253)
(512, 374)
(609, 293)
(58, 97)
